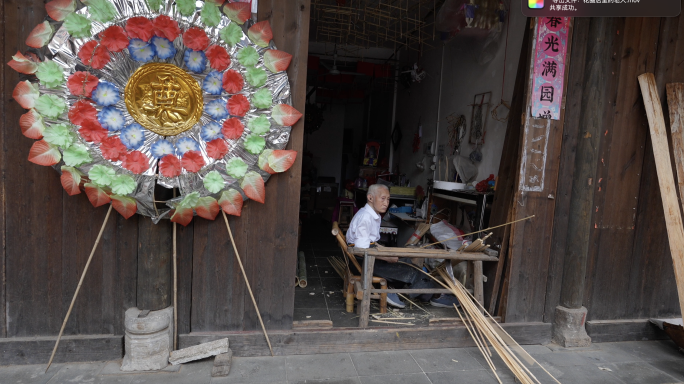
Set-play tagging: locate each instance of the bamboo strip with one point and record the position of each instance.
(256, 307)
(78, 288)
(480, 231)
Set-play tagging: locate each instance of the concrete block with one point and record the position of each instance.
(568, 327)
(198, 352)
(222, 363)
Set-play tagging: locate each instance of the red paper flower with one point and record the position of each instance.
(196, 39)
(112, 148)
(114, 39)
(232, 129)
(218, 57)
(192, 161)
(94, 55)
(232, 81)
(136, 162)
(140, 28)
(238, 105)
(167, 27)
(92, 131)
(81, 111)
(170, 166)
(82, 84)
(217, 148)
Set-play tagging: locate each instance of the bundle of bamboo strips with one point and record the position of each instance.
(339, 265)
(486, 332)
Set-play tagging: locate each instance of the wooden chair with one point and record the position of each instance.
(352, 283)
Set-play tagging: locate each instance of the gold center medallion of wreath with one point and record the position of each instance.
(164, 99)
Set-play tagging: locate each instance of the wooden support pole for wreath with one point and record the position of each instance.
(78, 288)
(175, 292)
(237, 255)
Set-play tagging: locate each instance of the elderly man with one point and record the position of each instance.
(364, 232)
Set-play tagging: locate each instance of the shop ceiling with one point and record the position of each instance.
(375, 23)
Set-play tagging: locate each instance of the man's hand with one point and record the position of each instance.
(388, 259)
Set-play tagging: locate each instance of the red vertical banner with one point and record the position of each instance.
(549, 66)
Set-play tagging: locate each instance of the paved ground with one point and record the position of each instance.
(645, 362)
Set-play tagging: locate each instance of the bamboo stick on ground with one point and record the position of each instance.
(78, 288)
(256, 307)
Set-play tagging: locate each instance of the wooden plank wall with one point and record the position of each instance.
(47, 235)
(629, 269)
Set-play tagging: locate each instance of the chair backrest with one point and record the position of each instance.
(342, 241)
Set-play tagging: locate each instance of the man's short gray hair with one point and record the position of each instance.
(375, 187)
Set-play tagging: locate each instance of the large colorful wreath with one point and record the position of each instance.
(130, 94)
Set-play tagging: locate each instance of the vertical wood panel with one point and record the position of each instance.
(652, 282)
(3, 169)
(80, 226)
(217, 285)
(184, 265)
(619, 170)
(34, 205)
(531, 240)
(155, 280)
(506, 183)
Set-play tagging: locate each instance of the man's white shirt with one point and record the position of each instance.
(364, 227)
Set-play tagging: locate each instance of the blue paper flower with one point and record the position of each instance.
(163, 47)
(141, 51)
(196, 61)
(162, 148)
(217, 109)
(106, 94)
(213, 83)
(111, 118)
(133, 136)
(211, 132)
(186, 144)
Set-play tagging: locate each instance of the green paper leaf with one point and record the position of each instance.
(231, 34)
(155, 4)
(262, 98)
(207, 208)
(186, 7)
(214, 182)
(255, 144)
(189, 201)
(253, 185)
(263, 161)
(101, 175)
(211, 16)
(77, 25)
(236, 167)
(50, 74)
(126, 206)
(59, 134)
(256, 77)
(231, 202)
(101, 10)
(50, 105)
(281, 160)
(71, 180)
(76, 155)
(96, 195)
(248, 56)
(123, 184)
(182, 215)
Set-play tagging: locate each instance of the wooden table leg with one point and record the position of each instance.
(367, 284)
(478, 290)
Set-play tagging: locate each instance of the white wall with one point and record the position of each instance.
(464, 76)
(326, 143)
